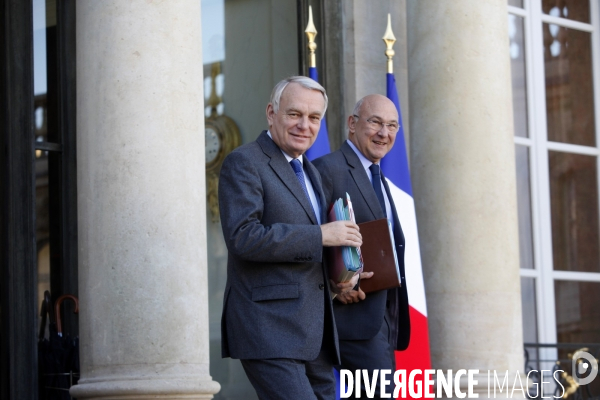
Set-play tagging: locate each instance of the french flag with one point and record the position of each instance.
(395, 168)
(321, 145)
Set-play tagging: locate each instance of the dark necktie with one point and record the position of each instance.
(297, 167)
(377, 186)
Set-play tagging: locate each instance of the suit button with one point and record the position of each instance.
(321, 286)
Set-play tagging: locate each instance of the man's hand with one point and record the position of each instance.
(340, 288)
(354, 296)
(341, 233)
(343, 287)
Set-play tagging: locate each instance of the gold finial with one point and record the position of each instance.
(214, 100)
(311, 33)
(389, 39)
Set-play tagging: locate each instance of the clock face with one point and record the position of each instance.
(212, 144)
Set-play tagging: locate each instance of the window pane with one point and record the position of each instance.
(569, 88)
(42, 220)
(577, 311)
(516, 3)
(40, 79)
(519, 82)
(574, 205)
(578, 10)
(524, 206)
(577, 319)
(530, 328)
(42, 198)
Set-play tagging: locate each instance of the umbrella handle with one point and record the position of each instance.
(57, 310)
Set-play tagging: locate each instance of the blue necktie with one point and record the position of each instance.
(297, 167)
(377, 186)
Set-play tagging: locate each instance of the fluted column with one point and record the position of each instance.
(141, 200)
(463, 172)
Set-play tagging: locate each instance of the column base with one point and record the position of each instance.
(130, 389)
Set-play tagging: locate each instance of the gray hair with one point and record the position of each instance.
(357, 106)
(303, 81)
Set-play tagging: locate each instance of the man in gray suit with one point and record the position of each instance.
(277, 311)
(370, 327)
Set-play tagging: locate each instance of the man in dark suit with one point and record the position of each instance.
(277, 311)
(370, 327)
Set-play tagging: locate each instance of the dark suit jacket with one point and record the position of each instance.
(276, 302)
(341, 172)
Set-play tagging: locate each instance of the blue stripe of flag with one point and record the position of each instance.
(321, 145)
(395, 164)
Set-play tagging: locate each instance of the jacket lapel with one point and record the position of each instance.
(362, 181)
(285, 173)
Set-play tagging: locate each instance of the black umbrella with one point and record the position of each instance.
(58, 356)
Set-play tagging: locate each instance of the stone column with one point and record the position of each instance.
(141, 200)
(463, 173)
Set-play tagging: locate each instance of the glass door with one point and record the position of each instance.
(55, 186)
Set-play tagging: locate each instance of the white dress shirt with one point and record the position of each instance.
(309, 186)
(366, 164)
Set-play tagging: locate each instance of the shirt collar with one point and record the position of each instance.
(364, 161)
(288, 158)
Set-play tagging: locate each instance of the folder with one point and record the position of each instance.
(343, 261)
(379, 256)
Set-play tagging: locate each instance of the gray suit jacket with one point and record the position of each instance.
(341, 172)
(276, 302)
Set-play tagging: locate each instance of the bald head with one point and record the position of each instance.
(373, 100)
(373, 126)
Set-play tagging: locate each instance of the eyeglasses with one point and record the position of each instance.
(378, 125)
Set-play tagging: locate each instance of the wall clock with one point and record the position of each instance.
(221, 136)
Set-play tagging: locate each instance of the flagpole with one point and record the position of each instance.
(321, 145)
(389, 40)
(311, 34)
